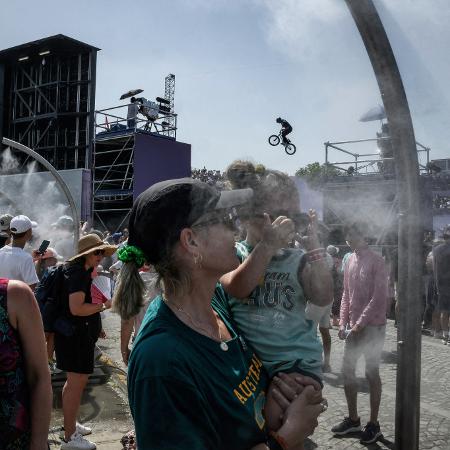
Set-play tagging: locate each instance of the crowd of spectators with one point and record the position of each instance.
(70, 289)
(91, 280)
(441, 202)
(211, 177)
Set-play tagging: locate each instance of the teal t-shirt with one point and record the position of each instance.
(185, 392)
(273, 318)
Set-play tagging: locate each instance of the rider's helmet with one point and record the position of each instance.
(279, 120)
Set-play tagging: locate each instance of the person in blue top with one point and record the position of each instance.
(193, 380)
(271, 287)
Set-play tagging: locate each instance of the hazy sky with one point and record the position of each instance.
(239, 64)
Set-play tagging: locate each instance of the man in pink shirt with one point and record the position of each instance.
(363, 325)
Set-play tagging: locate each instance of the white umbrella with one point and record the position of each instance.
(377, 113)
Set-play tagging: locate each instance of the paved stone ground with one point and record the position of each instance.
(435, 397)
(435, 393)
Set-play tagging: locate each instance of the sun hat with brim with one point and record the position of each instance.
(90, 243)
(164, 209)
(63, 222)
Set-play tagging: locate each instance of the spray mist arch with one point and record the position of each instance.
(410, 231)
(59, 181)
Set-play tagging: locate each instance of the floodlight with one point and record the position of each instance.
(164, 109)
(163, 100)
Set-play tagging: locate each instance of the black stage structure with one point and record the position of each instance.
(47, 99)
(131, 154)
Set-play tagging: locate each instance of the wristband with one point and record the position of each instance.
(276, 442)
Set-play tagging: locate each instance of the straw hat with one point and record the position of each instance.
(91, 242)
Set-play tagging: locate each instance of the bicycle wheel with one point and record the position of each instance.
(274, 140)
(290, 149)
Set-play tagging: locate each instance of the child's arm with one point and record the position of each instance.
(241, 282)
(317, 283)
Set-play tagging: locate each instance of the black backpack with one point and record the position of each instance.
(50, 293)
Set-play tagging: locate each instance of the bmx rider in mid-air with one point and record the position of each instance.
(286, 128)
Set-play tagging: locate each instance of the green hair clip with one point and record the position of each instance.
(129, 253)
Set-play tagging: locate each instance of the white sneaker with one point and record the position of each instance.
(84, 431)
(78, 442)
(81, 429)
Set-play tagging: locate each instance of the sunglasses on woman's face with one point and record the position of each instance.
(228, 220)
(98, 252)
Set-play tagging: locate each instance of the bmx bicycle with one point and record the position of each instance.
(289, 147)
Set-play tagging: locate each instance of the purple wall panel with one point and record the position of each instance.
(157, 159)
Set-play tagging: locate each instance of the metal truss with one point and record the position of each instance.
(113, 156)
(372, 162)
(113, 180)
(49, 103)
(169, 94)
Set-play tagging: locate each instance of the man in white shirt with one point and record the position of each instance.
(15, 263)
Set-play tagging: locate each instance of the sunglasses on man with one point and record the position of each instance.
(98, 252)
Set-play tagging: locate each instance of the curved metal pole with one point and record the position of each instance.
(62, 184)
(410, 239)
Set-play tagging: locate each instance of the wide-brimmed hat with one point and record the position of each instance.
(91, 242)
(63, 223)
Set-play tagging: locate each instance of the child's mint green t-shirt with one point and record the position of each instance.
(273, 318)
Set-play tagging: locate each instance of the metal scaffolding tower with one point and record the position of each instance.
(169, 94)
(47, 99)
(113, 159)
(113, 180)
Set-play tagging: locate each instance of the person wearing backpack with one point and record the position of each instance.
(77, 329)
(44, 264)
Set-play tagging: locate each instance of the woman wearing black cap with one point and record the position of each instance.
(193, 382)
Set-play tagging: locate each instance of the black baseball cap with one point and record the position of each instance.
(164, 209)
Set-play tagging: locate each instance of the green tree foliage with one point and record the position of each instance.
(316, 174)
